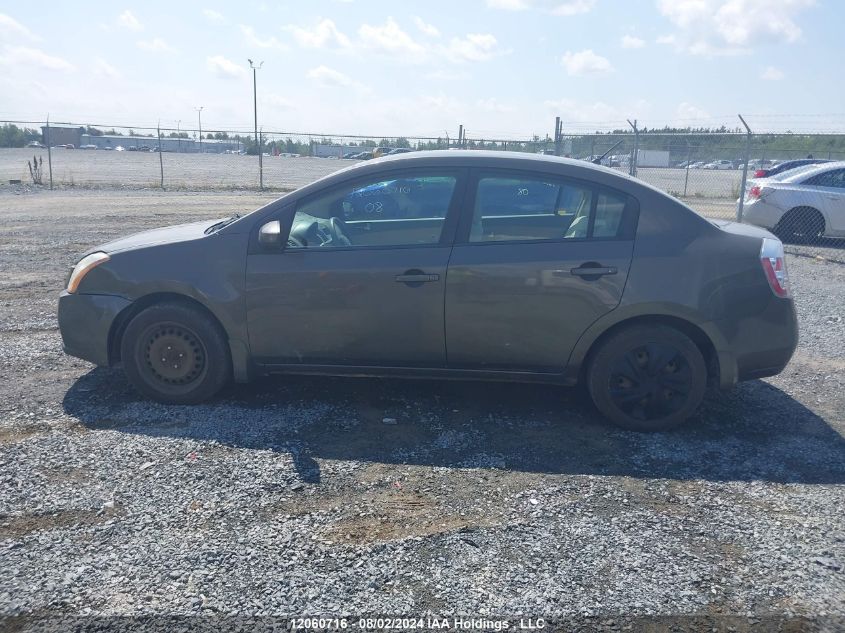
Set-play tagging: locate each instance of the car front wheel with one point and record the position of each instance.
(647, 378)
(175, 353)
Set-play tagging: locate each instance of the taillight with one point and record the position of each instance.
(774, 265)
(754, 192)
(760, 173)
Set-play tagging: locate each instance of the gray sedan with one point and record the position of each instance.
(454, 264)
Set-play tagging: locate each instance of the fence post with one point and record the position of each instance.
(160, 159)
(747, 157)
(260, 160)
(686, 175)
(632, 170)
(49, 153)
(557, 136)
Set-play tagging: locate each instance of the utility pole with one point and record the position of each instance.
(199, 121)
(255, 110)
(179, 136)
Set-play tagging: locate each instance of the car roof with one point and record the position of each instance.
(489, 159)
(472, 157)
(807, 171)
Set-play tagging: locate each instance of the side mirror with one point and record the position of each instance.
(270, 234)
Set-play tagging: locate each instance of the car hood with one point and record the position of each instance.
(157, 237)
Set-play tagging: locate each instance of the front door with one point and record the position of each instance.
(361, 279)
(540, 260)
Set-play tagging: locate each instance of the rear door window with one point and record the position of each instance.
(529, 208)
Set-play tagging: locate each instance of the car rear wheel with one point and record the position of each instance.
(647, 378)
(801, 225)
(176, 354)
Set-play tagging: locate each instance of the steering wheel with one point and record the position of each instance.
(336, 229)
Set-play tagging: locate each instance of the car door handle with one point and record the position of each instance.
(596, 271)
(410, 278)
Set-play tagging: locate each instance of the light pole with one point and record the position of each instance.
(255, 109)
(199, 122)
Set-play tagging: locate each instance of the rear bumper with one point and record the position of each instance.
(85, 322)
(760, 213)
(759, 345)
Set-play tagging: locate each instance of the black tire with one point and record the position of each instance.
(175, 353)
(800, 225)
(647, 378)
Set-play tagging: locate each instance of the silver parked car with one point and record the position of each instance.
(801, 204)
(719, 164)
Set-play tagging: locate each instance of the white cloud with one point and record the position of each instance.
(33, 57)
(574, 7)
(254, 40)
(442, 74)
(128, 20)
(508, 5)
(391, 38)
(494, 105)
(425, 28)
(326, 76)
(325, 34)
(276, 102)
(213, 16)
(687, 114)
(772, 74)
(585, 62)
(12, 28)
(225, 68)
(598, 113)
(155, 45)
(555, 7)
(718, 27)
(102, 68)
(666, 39)
(475, 47)
(630, 41)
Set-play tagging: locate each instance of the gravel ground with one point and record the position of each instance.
(296, 496)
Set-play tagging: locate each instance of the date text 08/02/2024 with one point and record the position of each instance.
(433, 623)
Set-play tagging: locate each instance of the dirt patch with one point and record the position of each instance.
(12, 527)
(387, 515)
(11, 436)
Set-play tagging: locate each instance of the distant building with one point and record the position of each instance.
(324, 151)
(62, 135)
(168, 144)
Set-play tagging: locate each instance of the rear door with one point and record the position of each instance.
(830, 197)
(537, 260)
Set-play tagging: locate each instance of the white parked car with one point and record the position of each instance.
(719, 164)
(801, 204)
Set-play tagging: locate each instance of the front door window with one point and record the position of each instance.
(406, 211)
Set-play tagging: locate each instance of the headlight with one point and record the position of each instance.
(81, 269)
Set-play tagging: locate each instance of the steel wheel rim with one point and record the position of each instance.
(173, 356)
(650, 381)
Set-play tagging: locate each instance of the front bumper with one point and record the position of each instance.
(85, 322)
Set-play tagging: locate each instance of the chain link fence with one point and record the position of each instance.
(709, 171)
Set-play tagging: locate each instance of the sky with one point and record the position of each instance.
(502, 68)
